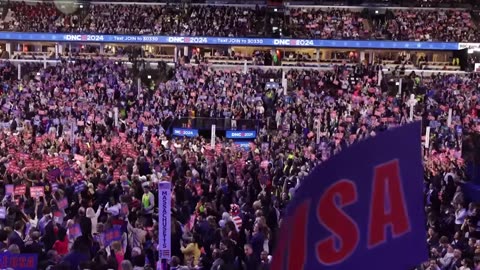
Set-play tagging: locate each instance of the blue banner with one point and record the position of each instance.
(79, 187)
(359, 210)
(241, 134)
(18, 261)
(112, 235)
(308, 43)
(185, 132)
(244, 145)
(52, 175)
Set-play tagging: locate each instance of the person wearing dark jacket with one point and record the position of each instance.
(79, 253)
(85, 223)
(34, 246)
(250, 262)
(16, 237)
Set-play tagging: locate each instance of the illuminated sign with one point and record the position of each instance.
(241, 134)
(185, 132)
(311, 43)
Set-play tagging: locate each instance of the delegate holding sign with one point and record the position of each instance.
(362, 209)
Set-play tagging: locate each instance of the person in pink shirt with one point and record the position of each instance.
(118, 253)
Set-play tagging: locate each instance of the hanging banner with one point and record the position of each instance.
(164, 220)
(363, 217)
(243, 41)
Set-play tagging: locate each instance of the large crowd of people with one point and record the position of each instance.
(99, 169)
(431, 25)
(233, 21)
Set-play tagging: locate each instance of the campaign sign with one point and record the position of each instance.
(58, 217)
(68, 172)
(37, 192)
(54, 174)
(74, 231)
(63, 203)
(112, 235)
(54, 187)
(3, 212)
(185, 132)
(79, 187)
(241, 134)
(9, 189)
(20, 190)
(360, 209)
(18, 261)
(244, 145)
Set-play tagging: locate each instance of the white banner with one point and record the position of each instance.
(427, 137)
(212, 138)
(164, 220)
(472, 47)
(477, 67)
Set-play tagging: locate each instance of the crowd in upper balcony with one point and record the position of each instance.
(431, 25)
(229, 21)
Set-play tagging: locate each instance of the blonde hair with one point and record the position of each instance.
(116, 246)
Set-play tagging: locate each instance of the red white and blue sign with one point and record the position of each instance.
(241, 134)
(185, 132)
(18, 261)
(361, 209)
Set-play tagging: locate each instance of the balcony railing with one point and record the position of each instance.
(204, 123)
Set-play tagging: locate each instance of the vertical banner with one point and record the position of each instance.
(139, 88)
(363, 217)
(449, 119)
(115, 116)
(164, 220)
(212, 138)
(399, 86)
(427, 137)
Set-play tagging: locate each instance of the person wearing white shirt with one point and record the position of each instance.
(447, 259)
(460, 215)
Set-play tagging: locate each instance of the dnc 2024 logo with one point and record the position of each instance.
(197, 40)
(293, 42)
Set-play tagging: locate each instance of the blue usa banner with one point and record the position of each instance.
(241, 134)
(359, 210)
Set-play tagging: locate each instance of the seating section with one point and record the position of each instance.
(327, 24)
(431, 25)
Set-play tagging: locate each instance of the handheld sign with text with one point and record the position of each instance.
(63, 203)
(112, 235)
(20, 190)
(9, 189)
(361, 209)
(3, 212)
(37, 192)
(74, 231)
